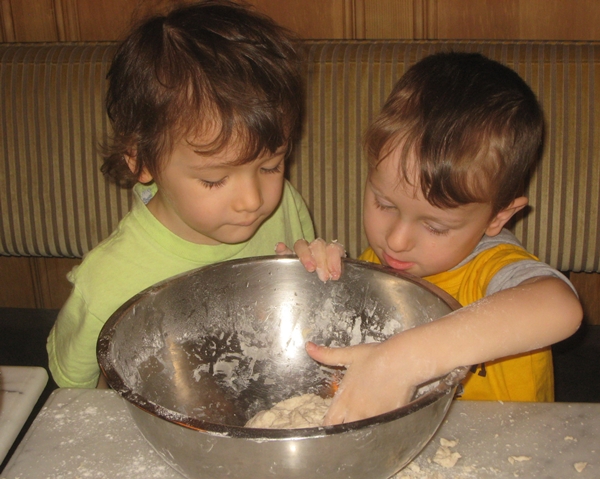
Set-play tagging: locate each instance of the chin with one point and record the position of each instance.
(237, 238)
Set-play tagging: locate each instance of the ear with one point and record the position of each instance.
(503, 216)
(144, 176)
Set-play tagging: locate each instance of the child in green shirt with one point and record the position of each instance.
(206, 103)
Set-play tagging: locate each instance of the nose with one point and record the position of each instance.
(400, 237)
(248, 195)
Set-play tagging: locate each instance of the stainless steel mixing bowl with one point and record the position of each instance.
(199, 354)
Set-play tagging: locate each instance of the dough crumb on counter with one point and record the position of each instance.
(513, 459)
(447, 442)
(444, 456)
(580, 466)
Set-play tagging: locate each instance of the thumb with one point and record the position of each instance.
(329, 356)
(281, 248)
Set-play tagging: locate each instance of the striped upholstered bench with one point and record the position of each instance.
(55, 203)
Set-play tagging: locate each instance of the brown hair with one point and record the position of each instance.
(213, 64)
(472, 126)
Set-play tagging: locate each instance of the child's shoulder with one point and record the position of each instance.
(493, 253)
(290, 193)
(123, 244)
(501, 262)
(505, 240)
(107, 254)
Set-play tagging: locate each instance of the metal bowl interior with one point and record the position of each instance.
(208, 349)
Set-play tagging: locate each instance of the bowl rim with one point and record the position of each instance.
(446, 385)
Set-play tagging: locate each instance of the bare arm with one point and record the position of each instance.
(381, 377)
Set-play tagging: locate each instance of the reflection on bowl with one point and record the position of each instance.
(199, 354)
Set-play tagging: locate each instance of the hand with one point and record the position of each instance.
(375, 380)
(324, 258)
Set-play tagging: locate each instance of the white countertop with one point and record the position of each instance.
(20, 388)
(88, 433)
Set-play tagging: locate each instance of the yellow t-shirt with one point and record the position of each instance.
(524, 377)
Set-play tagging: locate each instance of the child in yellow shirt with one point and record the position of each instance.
(449, 156)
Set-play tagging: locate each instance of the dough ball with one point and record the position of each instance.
(307, 410)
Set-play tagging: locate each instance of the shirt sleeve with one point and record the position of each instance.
(517, 272)
(508, 263)
(71, 345)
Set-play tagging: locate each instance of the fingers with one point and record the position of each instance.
(281, 248)
(336, 414)
(318, 249)
(334, 253)
(302, 250)
(366, 389)
(324, 258)
(329, 356)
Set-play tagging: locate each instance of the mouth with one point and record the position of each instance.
(246, 224)
(396, 263)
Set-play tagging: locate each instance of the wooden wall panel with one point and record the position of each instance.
(54, 288)
(399, 19)
(64, 20)
(312, 18)
(17, 283)
(28, 21)
(111, 22)
(114, 18)
(588, 287)
(34, 282)
(559, 19)
(515, 19)
(475, 19)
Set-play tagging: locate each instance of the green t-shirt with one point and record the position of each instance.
(138, 254)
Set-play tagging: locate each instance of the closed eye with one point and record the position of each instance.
(213, 184)
(382, 206)
(436, 231)
(276, 169)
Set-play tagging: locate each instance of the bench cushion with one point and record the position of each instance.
(54, 202)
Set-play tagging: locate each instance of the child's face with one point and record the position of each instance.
(207, 200)
(408, 233)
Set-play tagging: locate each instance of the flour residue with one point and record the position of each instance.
(240, 346)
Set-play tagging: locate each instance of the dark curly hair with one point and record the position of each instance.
(469, 126)
(212, 65)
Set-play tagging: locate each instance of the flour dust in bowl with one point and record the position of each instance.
(199, 354)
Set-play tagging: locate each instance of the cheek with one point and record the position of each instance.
(272, 191)
(373, 222)
(446, 254)
(276, 188)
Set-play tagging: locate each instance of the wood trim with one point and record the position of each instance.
(37, 283)
(430, 19)
(67, 20)
(7, 24)
(419, 23)
(34, 282)
(17, 288)
(54, 288)
(360, 27)
(588, 287)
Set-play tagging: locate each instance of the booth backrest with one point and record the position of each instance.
(54, 201)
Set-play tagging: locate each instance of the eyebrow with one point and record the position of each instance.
(450, 222)
(224, 164)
